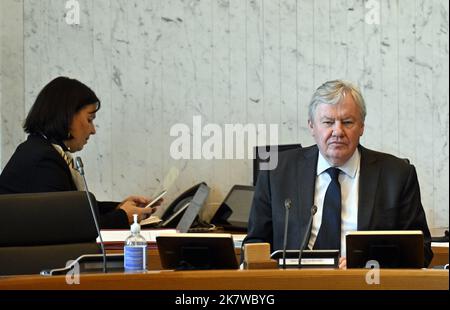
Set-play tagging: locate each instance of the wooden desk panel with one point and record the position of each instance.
(440, 256)
(153, 261)
(307, 279)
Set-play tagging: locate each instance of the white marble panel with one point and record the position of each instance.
(178, 68)
(271, 61)
(406, 82)
(239, 169)
(371, 87)
(288, 133)
(33, 46)
(198, 25)
(101, 148)
(389, 105)
(157, 63)
(124, 115)
(355, 43)
(424, 104)
(255, 61)
(220, 82)
(339, 37)
(256, 105)
(321, 41)
(155, 177)
(440, 107)
(77, 58)
(11, 71)
(134, 109)
(1, 77)
(305, 67)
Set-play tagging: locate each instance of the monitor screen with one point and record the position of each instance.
(193, 208)
(388, 249)
(196, 251)
(239, 200)
(235, 209)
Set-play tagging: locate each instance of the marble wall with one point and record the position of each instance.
(1, 74)
(12, 107)
(158, 63)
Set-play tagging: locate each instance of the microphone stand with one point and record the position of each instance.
(287, 206)
(79, 166)
(308, 228)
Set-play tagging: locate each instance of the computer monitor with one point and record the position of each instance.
(234, 211)
(388, 249)
(193, 208)
(196, 251)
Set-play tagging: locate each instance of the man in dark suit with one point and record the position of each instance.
(354, 188)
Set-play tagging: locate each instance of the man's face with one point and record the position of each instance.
(336, 128)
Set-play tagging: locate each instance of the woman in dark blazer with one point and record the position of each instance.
(60, 123)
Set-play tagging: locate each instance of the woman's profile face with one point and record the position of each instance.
(81, 127)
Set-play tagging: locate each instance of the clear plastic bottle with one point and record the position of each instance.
(135, 250)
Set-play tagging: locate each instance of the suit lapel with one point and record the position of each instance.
(368, 181)
(306, 176)
(66, 168)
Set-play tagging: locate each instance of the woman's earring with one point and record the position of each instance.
(69, 136)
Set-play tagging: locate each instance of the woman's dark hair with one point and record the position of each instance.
(55, 107)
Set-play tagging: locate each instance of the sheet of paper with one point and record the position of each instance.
(119, 235)
(439, 244)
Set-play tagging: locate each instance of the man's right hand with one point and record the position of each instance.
(342, 262)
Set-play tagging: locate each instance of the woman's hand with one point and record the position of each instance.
(139, 201)
(135, 205)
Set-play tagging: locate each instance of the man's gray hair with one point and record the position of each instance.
(333, 92)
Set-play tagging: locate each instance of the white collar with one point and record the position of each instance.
(350, 168)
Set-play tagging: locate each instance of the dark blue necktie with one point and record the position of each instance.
(329, 236)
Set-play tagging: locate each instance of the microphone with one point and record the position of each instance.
(80, 168)
(308, 228)
(287, 206)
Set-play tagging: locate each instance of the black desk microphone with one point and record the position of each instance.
(79, 166)
(287, 206)
(308, 228)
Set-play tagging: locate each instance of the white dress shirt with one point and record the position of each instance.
(349, 180)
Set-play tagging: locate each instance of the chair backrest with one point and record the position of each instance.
(261, 153)
(44, 230)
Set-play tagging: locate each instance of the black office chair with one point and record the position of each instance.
(44, 230)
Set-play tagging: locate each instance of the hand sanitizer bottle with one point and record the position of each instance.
(135, 250)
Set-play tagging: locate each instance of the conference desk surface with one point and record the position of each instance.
(306, 279)
(154, 262)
